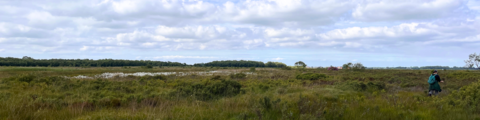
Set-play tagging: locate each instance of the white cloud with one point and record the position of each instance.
(19, 30)
(402, 30)
(352, 44)
(1, 50)
(474, 5)
(199, 26)
(380, 10)
(277, 59)
(84, 48)
(188, 32)
(96, 48)
(285, 32)
(285, 12)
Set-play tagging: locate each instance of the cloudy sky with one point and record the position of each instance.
(377, 33)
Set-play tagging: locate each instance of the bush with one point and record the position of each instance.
(310, 76)
(155, 77)
(332, 68)
(216, 77)
(238, 75)
(26, 78)
(287, 68)
(467, 97)
(362, 86)
(225, 88)
(252, 69)
(161, 77)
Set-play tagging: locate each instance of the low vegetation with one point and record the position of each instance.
(49, 93)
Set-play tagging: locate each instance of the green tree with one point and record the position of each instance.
(280, 65)
(300, 64)
(270, 64)
(358, 66)
(347, 65)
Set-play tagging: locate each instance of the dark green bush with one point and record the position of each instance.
(216, 77)
(238, 75)
(225, 88)
(155, 77)
(267, 104)
(286, 68)
(310, 76)
(26, 78)
(363, 86)
(252, 69)
(161, 77)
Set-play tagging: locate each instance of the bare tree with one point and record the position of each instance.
(473, 60)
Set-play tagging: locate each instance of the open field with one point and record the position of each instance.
(269, 93)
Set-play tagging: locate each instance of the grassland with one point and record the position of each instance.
(50, 93)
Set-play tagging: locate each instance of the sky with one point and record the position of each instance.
(376, 33)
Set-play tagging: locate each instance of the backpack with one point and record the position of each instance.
(431, 79)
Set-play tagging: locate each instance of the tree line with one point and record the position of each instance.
(30, 62)
(240, 63)
(472, 62)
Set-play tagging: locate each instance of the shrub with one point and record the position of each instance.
(362, 86)
(216, 77)
(286, 68)
(238, 75)
(161, 77)
(267, 104)
(332, 68)
(155, 77)
(310, 76)
(252, 69)
(467, 97)
(225, 88)
(26, 78)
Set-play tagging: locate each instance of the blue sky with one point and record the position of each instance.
(377, 33)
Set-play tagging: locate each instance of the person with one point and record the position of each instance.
(435, 87)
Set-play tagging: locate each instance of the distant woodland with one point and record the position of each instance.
(30, 62)
(240, 63)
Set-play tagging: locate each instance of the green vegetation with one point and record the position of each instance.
(356, 66)
(231, 63)
(237, 75)
(311, 76)
(275, 64)
(28, 61)
(268, 93)
(300, 64)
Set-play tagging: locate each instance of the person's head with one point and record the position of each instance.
(435, 71)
